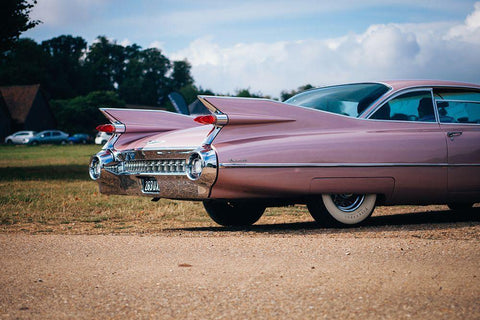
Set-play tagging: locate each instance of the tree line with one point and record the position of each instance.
(66, 68)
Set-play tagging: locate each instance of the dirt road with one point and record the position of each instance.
(297, 271)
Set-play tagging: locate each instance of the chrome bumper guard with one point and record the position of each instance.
(180, 174)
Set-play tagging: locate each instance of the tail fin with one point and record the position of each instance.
(138, 120)
(243, 111)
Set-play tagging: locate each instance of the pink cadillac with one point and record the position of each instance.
(341, 150)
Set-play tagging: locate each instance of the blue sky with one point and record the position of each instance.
(269, 46)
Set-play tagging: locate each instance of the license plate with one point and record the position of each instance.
(150, 185)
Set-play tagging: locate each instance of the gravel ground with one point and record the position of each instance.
(389, 269)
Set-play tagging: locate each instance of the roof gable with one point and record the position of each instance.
(19, 100)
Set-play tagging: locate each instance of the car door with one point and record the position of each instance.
(418, 147)
(56, 137)
(459, 113)
(46, 137)
(18, 137)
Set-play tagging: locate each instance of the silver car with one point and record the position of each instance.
(20, 137)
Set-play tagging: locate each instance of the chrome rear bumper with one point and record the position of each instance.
(123, 172)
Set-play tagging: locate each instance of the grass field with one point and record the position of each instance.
(47, 189)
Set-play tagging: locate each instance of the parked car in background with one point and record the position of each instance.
(48, 137)
(20, 137)
(103, 137)
(80, 138)
(341, 150)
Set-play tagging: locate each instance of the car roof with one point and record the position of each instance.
(404, 84)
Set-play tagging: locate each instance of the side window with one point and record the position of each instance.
(458, 106)
(413, 106)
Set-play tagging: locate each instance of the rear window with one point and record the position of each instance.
(349, 100)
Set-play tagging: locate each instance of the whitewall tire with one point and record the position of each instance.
(342, 209)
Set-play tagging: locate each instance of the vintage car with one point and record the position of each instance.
(341, 150)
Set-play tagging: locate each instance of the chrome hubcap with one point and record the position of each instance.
(348, 202)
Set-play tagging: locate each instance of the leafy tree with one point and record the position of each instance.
(14, 19)
(181, 75)
(190, 93)
(145, 78)
(285, 95)
(25, 63)
(245, 93)
(155, 85)
(65, 74)
(66, 68)
(81, 114)
(105, 64)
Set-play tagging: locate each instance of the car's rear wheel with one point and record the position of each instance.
(342, 209)
(232, 213)
(9, 141)
(459, 206)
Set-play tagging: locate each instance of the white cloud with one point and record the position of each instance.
(125, 42)
(157, 45)
(57, 13)
(470, 30)
(384, 51)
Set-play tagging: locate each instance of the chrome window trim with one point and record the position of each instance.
(342, 165)
(458, 101)
(399, 93)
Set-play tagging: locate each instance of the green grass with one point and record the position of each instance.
(45, 162)
(49, 185)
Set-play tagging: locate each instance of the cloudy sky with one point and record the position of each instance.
(272, 45)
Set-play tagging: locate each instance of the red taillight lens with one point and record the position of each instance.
(209, 119)
(109, 128)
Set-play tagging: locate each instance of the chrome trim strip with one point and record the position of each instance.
(342, 165)
(111, 142)
(213, 134)
(457, 101)
(222, 120)
(186, 149)
(207, 104)
(119, 127)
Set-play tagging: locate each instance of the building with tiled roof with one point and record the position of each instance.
(25, 108)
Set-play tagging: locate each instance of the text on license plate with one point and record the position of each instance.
(150, 185)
